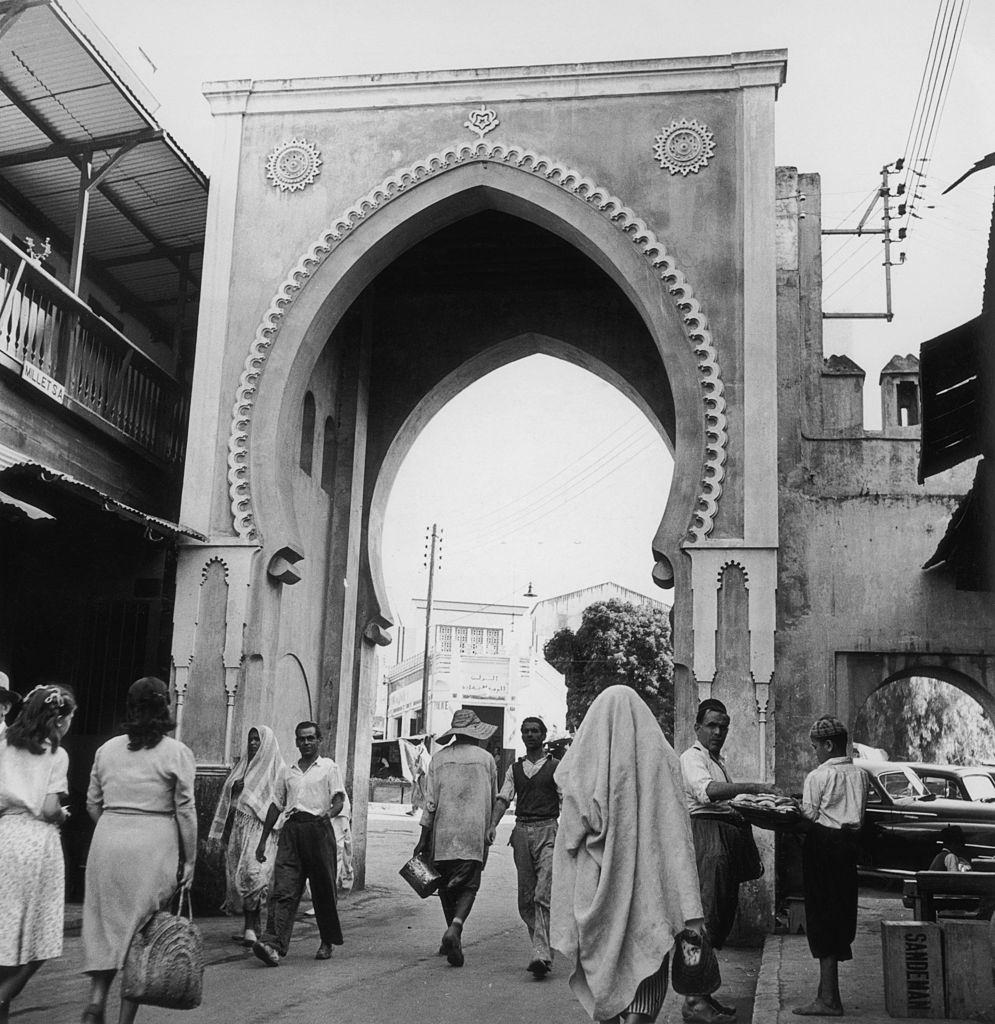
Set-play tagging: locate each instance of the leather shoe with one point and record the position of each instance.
(540, 968)
(702, 1013)
(726, 1011)
(324, 952)
(267, 954)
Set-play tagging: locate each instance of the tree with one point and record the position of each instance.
(921, 719)
(617, 642)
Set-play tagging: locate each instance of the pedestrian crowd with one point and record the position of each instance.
(629, 858)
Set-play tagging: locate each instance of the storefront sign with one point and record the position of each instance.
(43, 382)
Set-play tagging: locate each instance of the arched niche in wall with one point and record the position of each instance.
(291, 703)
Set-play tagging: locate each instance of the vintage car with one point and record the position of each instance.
(956, 782)
(904, 820)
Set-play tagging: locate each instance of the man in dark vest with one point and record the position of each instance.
(530, 780)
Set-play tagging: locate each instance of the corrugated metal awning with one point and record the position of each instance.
(14, 464)
(66, 95)
(967, 544)
(948, 385)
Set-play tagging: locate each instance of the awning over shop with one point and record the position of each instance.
(21, 478)
(966, 545)
(949, 374)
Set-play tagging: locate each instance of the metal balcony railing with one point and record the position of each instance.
(46, 327)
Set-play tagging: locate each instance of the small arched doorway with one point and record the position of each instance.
(925, 714)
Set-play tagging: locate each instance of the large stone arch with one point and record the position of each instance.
(412, 205)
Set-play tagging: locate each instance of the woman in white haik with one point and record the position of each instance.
(238, 825)
(33, 776)
(624, 877)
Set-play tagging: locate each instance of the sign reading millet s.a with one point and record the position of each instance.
(41, 380)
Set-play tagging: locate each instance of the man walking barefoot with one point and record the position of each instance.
(313, 795)
(460, 788)
(531, 780)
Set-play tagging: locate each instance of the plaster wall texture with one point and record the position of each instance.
(853, 604)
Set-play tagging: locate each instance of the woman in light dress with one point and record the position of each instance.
(33, 776)
(238, 825)
(141, 796)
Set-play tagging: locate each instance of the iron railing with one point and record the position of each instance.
(46, 327)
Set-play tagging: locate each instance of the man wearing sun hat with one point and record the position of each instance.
(460, 788)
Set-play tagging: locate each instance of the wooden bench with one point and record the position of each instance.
(931, 891)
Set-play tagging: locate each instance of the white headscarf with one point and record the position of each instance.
(263, 777)
(624, 876)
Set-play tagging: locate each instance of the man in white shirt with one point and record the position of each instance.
(314, 794)
(724, 849)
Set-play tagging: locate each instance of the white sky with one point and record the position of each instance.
(853, 74)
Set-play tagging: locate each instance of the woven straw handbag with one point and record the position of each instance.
(165, 961)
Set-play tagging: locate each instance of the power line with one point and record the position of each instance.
(485, 542)
(560, 472)
(851, 277)
(502, 521)
(944, 50)
(840, 266)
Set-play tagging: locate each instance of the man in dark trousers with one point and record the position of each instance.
(459, 793)
(313, 794)
(531, 781)
(724, 850)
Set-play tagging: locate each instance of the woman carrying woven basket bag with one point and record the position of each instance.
(141, 796)
(33, 775)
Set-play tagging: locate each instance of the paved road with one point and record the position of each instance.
(387, 971)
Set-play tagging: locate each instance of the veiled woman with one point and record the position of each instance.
(238, 825)
(624, 877)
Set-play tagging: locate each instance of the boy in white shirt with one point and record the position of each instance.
(833, 803)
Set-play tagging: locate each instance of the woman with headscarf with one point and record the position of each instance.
(144, 848)
(624, 877)
(33, 776)
(238, 825)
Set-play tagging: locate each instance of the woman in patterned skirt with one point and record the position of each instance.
(238, 826)
(145, 844)
(33, 770)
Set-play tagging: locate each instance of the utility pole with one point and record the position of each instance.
(884, 194)
(428, 629)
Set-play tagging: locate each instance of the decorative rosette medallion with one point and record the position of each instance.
(684, 147)
(293, 165)
(482, 120)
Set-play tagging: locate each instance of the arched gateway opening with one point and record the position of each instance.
(470, 270)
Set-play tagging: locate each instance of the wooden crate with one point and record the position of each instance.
(913, 968)
(967, 971)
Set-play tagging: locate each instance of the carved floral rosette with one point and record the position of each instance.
(293, 165)
(574, 183)
(684, 147)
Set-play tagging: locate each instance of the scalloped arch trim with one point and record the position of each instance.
(568, 180)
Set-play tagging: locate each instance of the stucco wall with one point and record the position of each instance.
(855, 529)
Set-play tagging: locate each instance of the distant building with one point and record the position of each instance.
(565, 611)
(480, 658)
